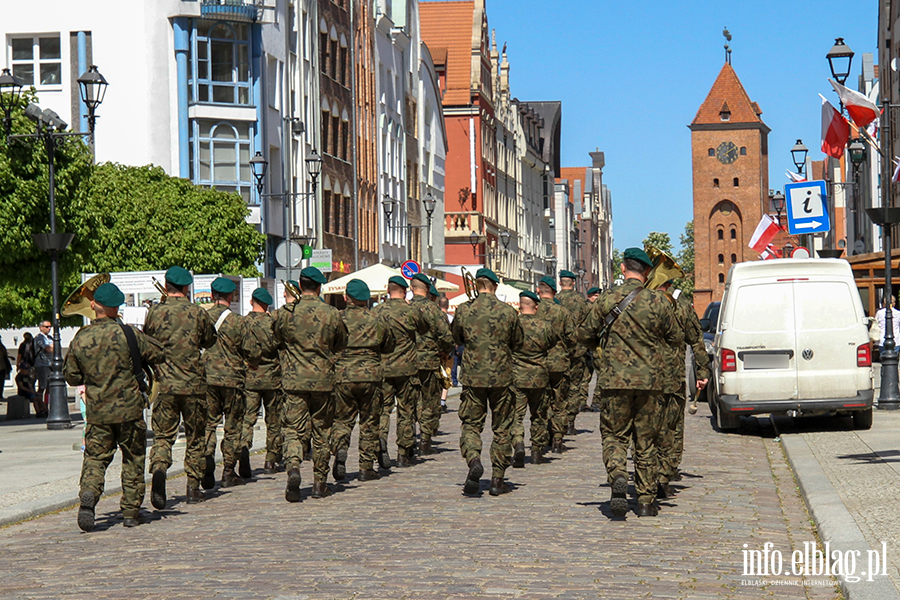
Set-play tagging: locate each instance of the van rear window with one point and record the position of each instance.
(759, 308)
(824, 305)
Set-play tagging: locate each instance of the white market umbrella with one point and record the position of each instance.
(376, 277)
(505, 293)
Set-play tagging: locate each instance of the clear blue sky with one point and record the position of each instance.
(631, 76)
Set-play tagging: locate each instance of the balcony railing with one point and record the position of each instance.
(244, 11)
(462, 224)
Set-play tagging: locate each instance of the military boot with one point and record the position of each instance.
(321, 490)
(518, 461)
(498, 486)
(270, 467)
(368, 475)
(158, 489)
(647, 510)
(426, 447)
(132, 521)
(384, 459)
(571, 429)
(244, 466)
(339, 471)
(209, 474)
(558, 447)
(662, 491)
(403, 461)
(473, 478)
(618, 503)
(230, 478)
(86, 511)
(537, 456)
(194, 495)
(292, 492)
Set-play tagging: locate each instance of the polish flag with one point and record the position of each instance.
(770, 252)
(835, 130)
(795, 177)
(862, 110)
(765, 232)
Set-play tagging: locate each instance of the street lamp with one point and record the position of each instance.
(778, 204)
(430, 203)
(388, 206)
(552, 262)
(504, 239)
(857, 150)
(839, 59)
(798, 155)
(528, 262)
(9, 84)
(314, 167)
(93, 89)
(259, 166)
(787, 250)
(473, 239)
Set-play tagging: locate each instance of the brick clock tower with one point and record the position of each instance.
(729, 147)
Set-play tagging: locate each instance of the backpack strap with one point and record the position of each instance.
(222, 318)
(137, 365)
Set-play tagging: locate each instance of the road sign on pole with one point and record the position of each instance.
(807, 211)
(410, 268)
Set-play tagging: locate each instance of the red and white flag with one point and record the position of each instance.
(795, 177)
(770, 252)
(835, 130)
(896, 176)
(765, 232)
(862, 110)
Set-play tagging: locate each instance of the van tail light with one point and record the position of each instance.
(864, 356)
(728, 360)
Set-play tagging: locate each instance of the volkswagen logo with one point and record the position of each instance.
(807, 354)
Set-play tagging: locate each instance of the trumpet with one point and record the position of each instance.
(469, 284)
(664, 268)
(291, 288)
(161, 289)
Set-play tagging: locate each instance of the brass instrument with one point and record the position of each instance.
(446, 382)
(161, 289)
(292, 289)
(664, 268)
(469, 284)
(79, 301)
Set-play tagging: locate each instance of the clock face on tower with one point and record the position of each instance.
(727, 153)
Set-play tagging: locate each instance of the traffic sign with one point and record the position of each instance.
(294, 252)
(800, 252)
(410, 268)
(807, 211)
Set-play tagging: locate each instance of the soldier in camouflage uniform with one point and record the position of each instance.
(359, 374)
(670, 441)
(491, 333)
(306, 434)
(578, 307)
(310, 336)
(530, 379)
(431, 348)
(224, 363)
(558, 360)
(99, 358)
(263, 382)
(631, 379)
(400, 372)
(592, 294)
(184, 329)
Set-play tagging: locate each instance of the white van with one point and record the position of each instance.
(791, 339)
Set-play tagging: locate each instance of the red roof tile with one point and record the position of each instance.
(727, 92)
(448, 25)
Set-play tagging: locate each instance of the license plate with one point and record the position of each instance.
(766, 361)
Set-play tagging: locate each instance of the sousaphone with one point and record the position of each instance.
(79, 301)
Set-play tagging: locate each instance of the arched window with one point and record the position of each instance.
(733, 233)
(716, 182)
(737, 182)
(721, 259)
(743, 150)
(721, 234)
(712, 151)
(733, 258)
(721, 278)
(220, 67)
(220, 156)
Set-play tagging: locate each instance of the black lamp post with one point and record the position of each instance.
(798, 155)
(504, 239)
(10, 88)
(388, 206)
(778, 205)
(93, 89)
(840, 57)
(552, 264)
(258, 167)
(528, 262)
(430, 203)
(787, 250)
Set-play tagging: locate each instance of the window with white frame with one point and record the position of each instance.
(36, 59)
(220, 64)
(220, 156)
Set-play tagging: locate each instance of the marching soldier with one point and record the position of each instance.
(578, 307)
(634, 327)
(491, 332)
(358, 374)
(289, 299)
(184, 329)
(558, 360)
(263, 382)
(100, 358)
(530, 379)
(592, 294)
(224, 363)
(432, 348)
(310, 335)
(400, 372)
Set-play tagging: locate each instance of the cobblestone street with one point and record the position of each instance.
(413, 535)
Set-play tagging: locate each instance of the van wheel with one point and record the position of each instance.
(726, 421)
(862, 419)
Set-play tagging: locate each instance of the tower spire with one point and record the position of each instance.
(727, 35)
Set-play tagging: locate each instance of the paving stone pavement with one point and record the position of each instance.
(413, 535)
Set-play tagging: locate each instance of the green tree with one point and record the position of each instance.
(686, 259)
(658, 240)
(616, 269)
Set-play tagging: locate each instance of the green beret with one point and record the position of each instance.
(593, 290)
(530, 295)
(314, 274)
(179, 276)
(358, 290)
(397, 280)
(423, 278)
(568, 274)
(433, 290)
(262, 296)
(639, 255)
(488, 274)
(109, 295)
(549, 281)
(221, 285)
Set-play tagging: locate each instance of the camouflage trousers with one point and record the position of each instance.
(473, 409)
(228, 402)
(357, 399)
(578, 376)
(633, 416)
(305, 411)
(168, 410)
(429, 403)
(557, 412)
(535, 401)
(271, 401)
(403, 390)
(100, 443)
(668, 447)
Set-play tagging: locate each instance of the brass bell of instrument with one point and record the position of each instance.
(292, 289)
(664, 268)
(79, 301)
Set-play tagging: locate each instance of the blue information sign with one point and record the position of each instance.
(410, 268)
(807, 211)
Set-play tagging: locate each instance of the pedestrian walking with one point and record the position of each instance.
(43, 355)
(5, 367)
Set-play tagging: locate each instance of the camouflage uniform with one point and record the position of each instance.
(558, 364)
(491, 331)
(629, 373)
(224, 363)
(310, 335)
(431, 347)
(530, 379)
(184, 329)
(99, 359)
(671, 439)
(579, 378)
(400, 371)
(263, 382)
(358, 374)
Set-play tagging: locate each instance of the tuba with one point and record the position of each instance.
(664, 268)
(469, 284)
(291, 288)
(79, 301)
(161, 289)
